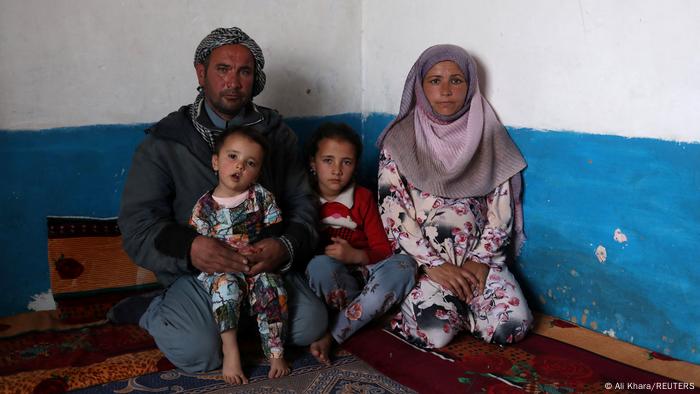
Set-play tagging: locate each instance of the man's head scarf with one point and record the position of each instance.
(230, 36)
(219, 37)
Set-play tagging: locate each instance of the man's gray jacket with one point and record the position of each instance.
(171, 169)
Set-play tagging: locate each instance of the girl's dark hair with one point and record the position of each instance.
(245, 131)
(336, 131)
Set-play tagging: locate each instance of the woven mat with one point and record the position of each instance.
(347, 374)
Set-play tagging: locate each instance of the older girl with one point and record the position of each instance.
(356, 274)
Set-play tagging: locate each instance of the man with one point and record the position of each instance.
(171, 169)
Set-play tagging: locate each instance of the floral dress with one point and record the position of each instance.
(239, 227)
(436, 230)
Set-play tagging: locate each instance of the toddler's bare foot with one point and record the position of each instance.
(232, 371)
(278, 368)
(321, 349)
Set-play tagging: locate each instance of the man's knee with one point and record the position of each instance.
(308, 325)
(308, 318)
(190, 348)
(196, 353)
(183, 327)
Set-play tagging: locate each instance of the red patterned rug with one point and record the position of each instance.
(57, 361)
(120, 359)
(536, 365)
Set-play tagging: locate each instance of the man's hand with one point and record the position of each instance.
(210, 255)
(342, 251)
(272, 253)
(460, 282)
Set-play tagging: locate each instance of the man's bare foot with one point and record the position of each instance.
(278, 368)
(232, 371)
(321, 349)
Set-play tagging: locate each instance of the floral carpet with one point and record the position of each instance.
(536, 365)
(123, 359)
(55, 361)
(104, 358)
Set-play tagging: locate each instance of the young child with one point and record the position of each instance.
(240, 211)
(356, 275)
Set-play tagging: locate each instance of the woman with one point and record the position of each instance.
(449, 195)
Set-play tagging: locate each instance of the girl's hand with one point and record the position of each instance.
(459, 281)
(342, 251)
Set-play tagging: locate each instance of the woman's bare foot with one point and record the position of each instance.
(278, 368)
(321, 349)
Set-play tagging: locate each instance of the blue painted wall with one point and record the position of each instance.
(580, 188)
(74, 171)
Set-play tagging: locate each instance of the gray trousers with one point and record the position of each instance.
(360, 301)
(182, 324)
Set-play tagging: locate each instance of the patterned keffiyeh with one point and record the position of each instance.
(219, 37)
(230, 36)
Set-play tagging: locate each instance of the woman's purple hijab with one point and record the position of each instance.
(466, 154)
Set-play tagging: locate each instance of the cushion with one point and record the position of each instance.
(90, 272)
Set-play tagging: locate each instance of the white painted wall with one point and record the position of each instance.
(625, 67)
(83, 62)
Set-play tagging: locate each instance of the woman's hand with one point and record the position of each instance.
(342, 251)
(480, 272)
(461, 282)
